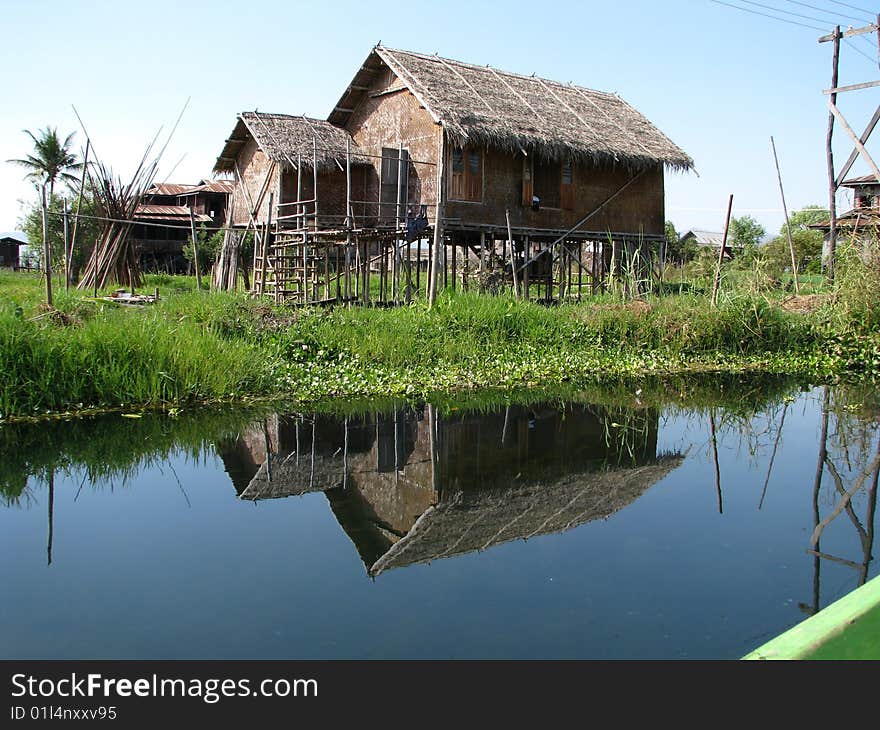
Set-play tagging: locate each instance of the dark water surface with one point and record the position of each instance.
(677, 522)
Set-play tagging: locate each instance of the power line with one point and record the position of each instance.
(859, 50)
(823, 10)
(853, 7)
(773, 17)
(780, 10)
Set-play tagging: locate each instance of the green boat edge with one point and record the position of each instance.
(849, 628)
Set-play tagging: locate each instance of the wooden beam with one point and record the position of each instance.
(852, 135)
(852, 87)
(855, 153)
(849, 33)
(385, 92)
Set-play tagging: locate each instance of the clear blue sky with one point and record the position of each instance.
(718, 81)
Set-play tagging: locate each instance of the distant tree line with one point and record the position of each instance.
(745, 236)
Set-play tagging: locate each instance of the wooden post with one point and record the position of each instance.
(315, 177)
(794, 270)
(454, 264)
(438, 221)
(264, 261)
(82, 185)
(829, 155)
(47, 252)
(512, 254)
(66, 252)
(192, 227)
(482, 259)
(717, 279)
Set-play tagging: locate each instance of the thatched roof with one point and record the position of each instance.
(476, 520)
(282, 137)
(484, 105)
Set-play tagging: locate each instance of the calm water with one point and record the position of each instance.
(623, 524)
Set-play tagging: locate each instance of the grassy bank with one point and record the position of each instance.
(196, 347)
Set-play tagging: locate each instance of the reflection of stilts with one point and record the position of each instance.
(817, 483)
(433, 445)
(866, 534)
(715, 457)
(51, 515)
(345, 457)
(773, 455)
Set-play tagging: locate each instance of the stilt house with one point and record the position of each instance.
(573, 177)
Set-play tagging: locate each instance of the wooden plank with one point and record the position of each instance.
(849, 33)
(852, 87)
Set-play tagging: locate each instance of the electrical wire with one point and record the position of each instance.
(780, 10)
(827, 12)
(852, 7)
(765, 15)
(859, 50)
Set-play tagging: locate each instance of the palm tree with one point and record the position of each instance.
(51, 160)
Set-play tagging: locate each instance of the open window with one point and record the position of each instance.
(466, 178)
(394, 184)
(547, 184)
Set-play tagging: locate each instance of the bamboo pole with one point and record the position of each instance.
(794, 269)
(829, 157)
(717, 280)
(512, 254)
(66, 251)
(47, 253)
(192, 226)
(82, 185)
(438, 221)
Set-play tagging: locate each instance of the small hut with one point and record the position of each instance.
(10, 243)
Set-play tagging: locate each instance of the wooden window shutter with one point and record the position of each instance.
(566, 186)
(527, 184)
(474, 175)
(456, 191)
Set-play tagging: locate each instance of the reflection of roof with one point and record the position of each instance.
(289, 476)
(473, 521)
(168, 213)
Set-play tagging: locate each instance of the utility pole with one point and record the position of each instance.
(836, 178)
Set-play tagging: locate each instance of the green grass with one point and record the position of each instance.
(198, 347)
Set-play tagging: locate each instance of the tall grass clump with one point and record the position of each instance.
(119, 358)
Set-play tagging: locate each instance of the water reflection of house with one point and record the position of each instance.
(412, 486)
